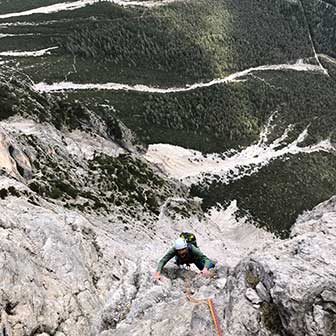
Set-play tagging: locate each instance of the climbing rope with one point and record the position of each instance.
(208, 301)
(215, 317)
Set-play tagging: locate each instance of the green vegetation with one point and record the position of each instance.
(25, 43)
(130, 180)
(17, 97)
(251, 279)
(183, 208)
(3, 193)
(270, 317)
(63, 187)
(177, 43)
(122, 181)
(305, 99)
(322, 24)
(279, 192)
(56, 182)
(198, 40)
(9, 6)
(329, 65)
(209, 119)
(56, 68)
(13, 191)
(8, 101)
(9, 191)
(109, 181)
(224, 116)
(70, 115)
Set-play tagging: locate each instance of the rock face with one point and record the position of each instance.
(85, 219)
(12, 160)
(69, 273)
(294, 282)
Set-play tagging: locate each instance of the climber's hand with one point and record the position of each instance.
(157, 277)
(205, 272)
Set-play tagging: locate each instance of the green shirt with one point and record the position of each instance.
(194, 255)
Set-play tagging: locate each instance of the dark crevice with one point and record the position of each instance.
(20, 169)
(9, 308)
(11, 151)
(4, 332)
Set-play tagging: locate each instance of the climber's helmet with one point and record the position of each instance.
(181, 247)
(180, 244)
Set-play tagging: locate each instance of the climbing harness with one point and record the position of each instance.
(208, 301)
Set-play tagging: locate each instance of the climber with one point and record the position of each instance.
(185, 253)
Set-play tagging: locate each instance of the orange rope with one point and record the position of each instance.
(208, 301)
(215, 317)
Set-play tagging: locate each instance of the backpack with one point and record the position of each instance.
(189, 237)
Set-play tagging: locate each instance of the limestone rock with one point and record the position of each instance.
(253, 296)
(12, 160)
(66, 271)
(262, 292)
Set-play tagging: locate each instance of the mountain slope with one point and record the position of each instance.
(182, 42)
(124, 123)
